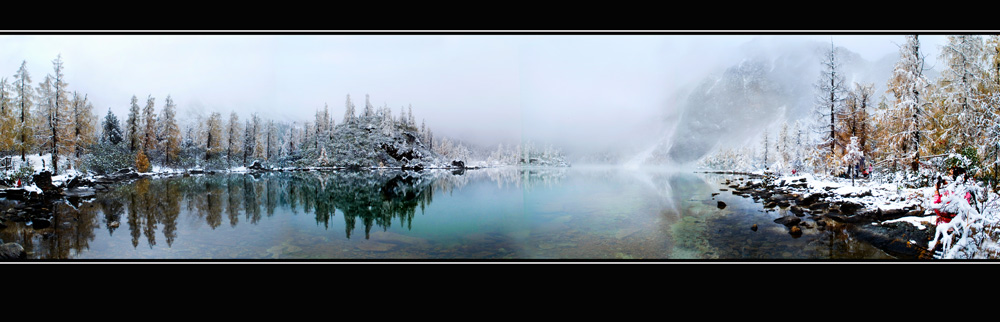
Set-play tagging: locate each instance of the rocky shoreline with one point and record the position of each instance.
(827, 208)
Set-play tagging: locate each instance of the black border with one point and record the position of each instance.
(447, 265)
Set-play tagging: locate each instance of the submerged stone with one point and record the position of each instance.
(11, 251)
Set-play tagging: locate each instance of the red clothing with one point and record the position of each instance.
(943, 217)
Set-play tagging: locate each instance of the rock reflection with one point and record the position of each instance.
(68, 232)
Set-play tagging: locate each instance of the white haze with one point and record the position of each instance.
(581, 93)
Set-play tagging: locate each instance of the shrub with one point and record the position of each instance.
(141, 162)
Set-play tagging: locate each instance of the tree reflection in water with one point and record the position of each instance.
(373, 199)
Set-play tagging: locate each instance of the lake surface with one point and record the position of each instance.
(579, 213)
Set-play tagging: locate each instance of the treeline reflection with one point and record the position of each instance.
(147, 206)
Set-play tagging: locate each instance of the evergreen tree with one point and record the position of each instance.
(349, 111)
(410, 120)
(369, 109)
(112, 129)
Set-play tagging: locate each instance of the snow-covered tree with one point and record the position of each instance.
(6, 116)
(112, 131)
(369, 109)
(133, 126)
(854, 120)
(410, 121)
(797, 162)
(54, 112)
(24, 129)
(170, 133)
(109, 154)
(766, 147)
(960, 80)
(213, 136)
(259, 148)
(783, 145)
(907, 85)
(853, 155)
(830, 91)
(84, 134)
(348, 111)
(272, 140)
(386, 123)
(235, 137)
(149, 126)
(991, 102)
(249, 142)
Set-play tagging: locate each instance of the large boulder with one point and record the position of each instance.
(43, 180)
(458, 164)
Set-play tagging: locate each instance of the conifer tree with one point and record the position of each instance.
(830, 101)
(23, 130)
(369, 110)
(133, 126)
(170, 133)
(84, 133)
(960, 80)
(149, 126)
(6, 117)
(233, 147)
(854, 116)
(907, 85)
(54, 95)
(348, 111)
(213, 136)
(112, 132)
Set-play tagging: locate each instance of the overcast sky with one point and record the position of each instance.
(565, 89)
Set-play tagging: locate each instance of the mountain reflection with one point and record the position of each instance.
(150, 208)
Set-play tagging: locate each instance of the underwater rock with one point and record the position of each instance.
(788, 220)
(795, 231)
(721, 205)
(12, 251)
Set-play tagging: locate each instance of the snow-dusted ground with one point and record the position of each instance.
(973, 232)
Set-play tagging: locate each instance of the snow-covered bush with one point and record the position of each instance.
(973, 232)
(23, 172)
(106, 158)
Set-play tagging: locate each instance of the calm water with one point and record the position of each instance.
(568, 213)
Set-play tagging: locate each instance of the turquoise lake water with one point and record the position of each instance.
(506, 214)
